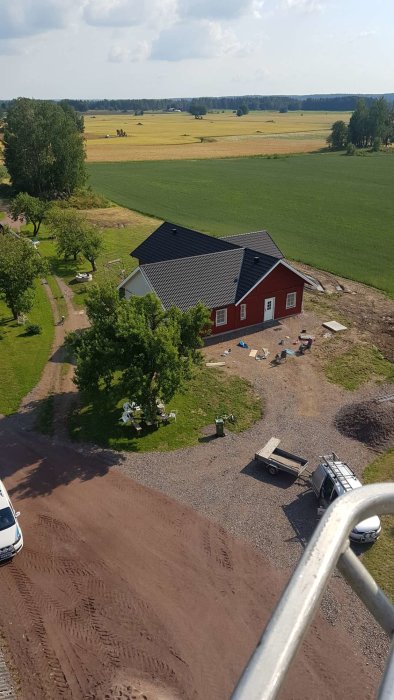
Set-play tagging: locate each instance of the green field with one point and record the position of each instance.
(329, 210)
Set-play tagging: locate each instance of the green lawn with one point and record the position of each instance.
(117, 245)
(209, 394)
(380, 558)
(359, 365)
(329, 210)
(22, 358)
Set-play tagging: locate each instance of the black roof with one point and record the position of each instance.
(185, 266)
(170, 241)
(216, 279)
(254, 266)
(260, 241)
(212, 278)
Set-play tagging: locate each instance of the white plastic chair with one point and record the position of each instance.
(172, 414)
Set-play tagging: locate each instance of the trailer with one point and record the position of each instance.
(278, 460)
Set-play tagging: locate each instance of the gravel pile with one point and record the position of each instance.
(369, 422)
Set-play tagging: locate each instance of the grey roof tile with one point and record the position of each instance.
(212, 278)
(260, 241)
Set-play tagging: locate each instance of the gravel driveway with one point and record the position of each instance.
(221, 480)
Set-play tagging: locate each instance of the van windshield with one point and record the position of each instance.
(6, 518)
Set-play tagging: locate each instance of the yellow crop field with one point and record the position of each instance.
(174, 136)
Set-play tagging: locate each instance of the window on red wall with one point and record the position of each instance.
(221, 317)
(242, 315)
(291, 300)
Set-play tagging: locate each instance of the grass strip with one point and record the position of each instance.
(22, 357)
(359, 365)
(379, 559)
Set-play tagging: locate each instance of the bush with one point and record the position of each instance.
(351, 150)
(377, 144)
(33, 329)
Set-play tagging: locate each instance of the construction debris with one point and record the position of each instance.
(334, 326)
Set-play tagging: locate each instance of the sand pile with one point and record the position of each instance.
(369, 422)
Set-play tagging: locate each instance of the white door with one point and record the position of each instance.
(269, 308)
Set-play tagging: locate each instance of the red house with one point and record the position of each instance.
(244, 278)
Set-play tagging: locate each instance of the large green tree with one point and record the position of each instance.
(43, 148)
(68, 227)
(148, 350)
(338, 138)
(75, 235)
(197, 109)
(32, 209)
(92, 244)
(20, 264)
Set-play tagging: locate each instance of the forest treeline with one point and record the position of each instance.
(346, 103)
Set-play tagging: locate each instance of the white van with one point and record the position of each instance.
(333, 478)
(11, 539)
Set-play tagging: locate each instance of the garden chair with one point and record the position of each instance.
(172, 415)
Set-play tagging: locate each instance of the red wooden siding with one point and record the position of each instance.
(280, 282)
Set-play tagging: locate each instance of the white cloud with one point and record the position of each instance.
(8, 48)
(118, 54)
(214, 9)
(305, 6)
(195, 40)
(27, 17)
(121, 54)
(366, 33)
(128, 13)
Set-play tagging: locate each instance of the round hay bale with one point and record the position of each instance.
(369, 422)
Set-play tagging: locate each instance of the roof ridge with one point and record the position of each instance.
(245, 233)
(201, 255)
(240, 272)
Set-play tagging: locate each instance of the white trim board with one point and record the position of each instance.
(280, 262)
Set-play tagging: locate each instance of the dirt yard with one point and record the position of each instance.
(122, 592)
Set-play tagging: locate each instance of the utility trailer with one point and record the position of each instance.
(277, 460)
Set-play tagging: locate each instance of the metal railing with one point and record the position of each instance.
(329, 547)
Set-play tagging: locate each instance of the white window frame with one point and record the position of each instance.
(224, 322)
(291, 300)
(242, 313)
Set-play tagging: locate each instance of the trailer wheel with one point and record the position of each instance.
(273, 470)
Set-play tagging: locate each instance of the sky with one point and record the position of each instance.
(183, 48)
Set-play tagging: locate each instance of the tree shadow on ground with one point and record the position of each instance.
(302, 516)
(258, 471)
(44, 463)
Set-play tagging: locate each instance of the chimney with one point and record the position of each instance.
(256, 259)
(174, 231)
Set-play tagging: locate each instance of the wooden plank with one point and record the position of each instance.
(215, 364)
(253, 353)
(268, 449)
(293, 463)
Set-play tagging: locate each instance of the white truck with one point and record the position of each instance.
(331, 479)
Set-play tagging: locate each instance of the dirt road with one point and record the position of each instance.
(121, 592)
